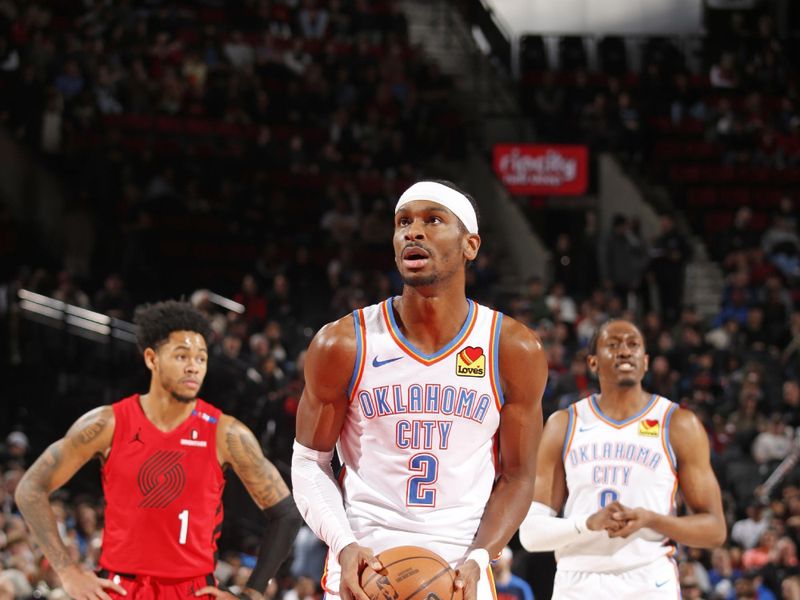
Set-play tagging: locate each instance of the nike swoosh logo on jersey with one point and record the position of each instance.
(662, 583)
(379, 363)
(582, 429)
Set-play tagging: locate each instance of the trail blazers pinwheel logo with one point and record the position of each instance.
(471, 362)
(161, 479)
(649, 427)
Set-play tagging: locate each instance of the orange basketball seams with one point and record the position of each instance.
(410, 573)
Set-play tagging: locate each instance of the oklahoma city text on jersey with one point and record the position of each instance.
(430, 399)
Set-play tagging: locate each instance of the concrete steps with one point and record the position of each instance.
(704, 283)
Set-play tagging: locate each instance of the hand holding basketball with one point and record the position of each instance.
(355, 559)
(467, 576)
(410, 573)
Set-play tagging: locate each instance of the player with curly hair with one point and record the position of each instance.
(162, 455)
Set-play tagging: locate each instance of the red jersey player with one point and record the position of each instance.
(162, 456)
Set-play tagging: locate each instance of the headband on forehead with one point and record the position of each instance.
(453, 200)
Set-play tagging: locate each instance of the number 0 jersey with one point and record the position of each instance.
(163, 494)
(418, 440)
(630, 461)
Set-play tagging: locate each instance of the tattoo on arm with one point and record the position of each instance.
(87, 429)
(261, 478)
(91, 431)
(51, 470)
(33, 501)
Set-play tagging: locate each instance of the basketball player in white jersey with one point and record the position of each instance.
(434, 405)
(614, 463)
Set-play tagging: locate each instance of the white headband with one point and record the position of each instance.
(454, 201)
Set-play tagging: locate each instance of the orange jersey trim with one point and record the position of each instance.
(493, 375)
(665, 441)
(491, 582)
(362, 349)
(572, 425)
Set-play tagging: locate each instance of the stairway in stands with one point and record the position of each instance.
(488, 96)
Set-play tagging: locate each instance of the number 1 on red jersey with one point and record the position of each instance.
(183, 516)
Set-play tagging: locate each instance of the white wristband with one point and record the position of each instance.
(480, 556)
(581, 524)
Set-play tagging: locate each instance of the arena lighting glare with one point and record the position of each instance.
(74, 316)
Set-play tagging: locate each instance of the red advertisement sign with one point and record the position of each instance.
(542, 169)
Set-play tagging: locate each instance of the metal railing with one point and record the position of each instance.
(75, 319)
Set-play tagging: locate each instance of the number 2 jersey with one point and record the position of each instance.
(631, 461)
(163, 494)
(418, 442)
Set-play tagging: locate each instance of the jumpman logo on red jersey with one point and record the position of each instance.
(136, 437)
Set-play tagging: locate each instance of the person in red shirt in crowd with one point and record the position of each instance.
(162, 455)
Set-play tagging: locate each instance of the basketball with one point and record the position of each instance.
(409, 573)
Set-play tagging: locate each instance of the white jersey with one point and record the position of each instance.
(631, 461)
(418, 442)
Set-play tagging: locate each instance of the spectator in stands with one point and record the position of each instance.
(308, 555)
(739, 236)
(313, 20)
(239, 53)
(694, 568)
(722, 574)
(790, 403)
(782, 244)
(686, 101)
(482, 278)
(534, 303)
(68, 291)
(629, 128)
(258, 346)
(750, 586)
(15, 450)
(624, 260)
(724, 73)
(508, 585)
(572, 385)
(775, 442)
(280, 300)
(254, 302)
(587, 257)
(782, 565)
(595, 121)
(303, 589)
(761, 554)
(561, 307)
(70, 81)
(565, 264)
(296, 59)
(661, 379)
(747, 532)
(790, 356)
(670, 253)
(726, 337)
(755, 335)
(690, 589)
(113, 299)
(340, 221)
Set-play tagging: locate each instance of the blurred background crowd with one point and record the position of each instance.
(252, 151)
